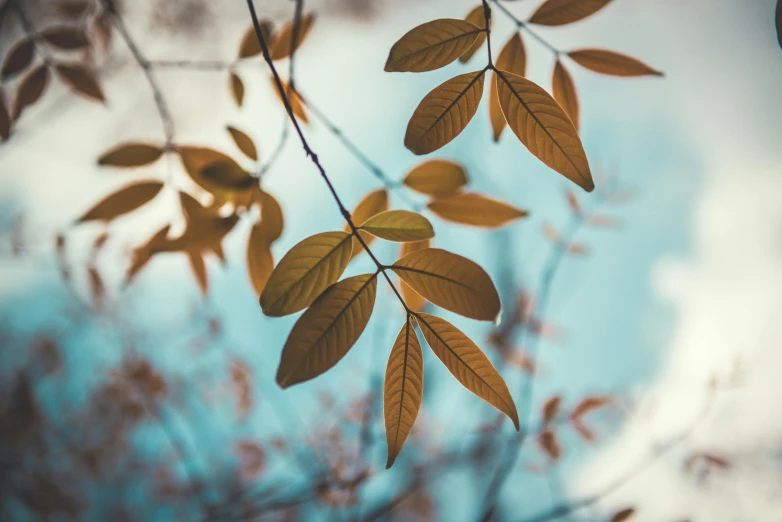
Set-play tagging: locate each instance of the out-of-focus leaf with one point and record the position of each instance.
(131, 155)
(237, 89)
(399, 225)
(305, 271)
(272, 219)
(125, 200)
(280, 44)
(327, 330)
(450, 281)
(144, 253)
(215, 172)
(199, 270)
(589, 404)
(73, 8)
(252, 457)
(97, 288)
(5, 119)
(18, 58)
(549, 443)
(623, 515)
(413, 299)
(444, 113)
(564, 91)
(373, 203)
(205, 230)
(611, 63)
(551, 408)
(561, 12)
(243, 142)
(250, 45)
(779, 22)
(512, 58)
(64, 37)
(297, 105)
(436, 177)
(467, 363)
(260, 262)
(474, 209)
(80, 79)
(30, 90)
(403, 389)
(432, 45)
(475, 17)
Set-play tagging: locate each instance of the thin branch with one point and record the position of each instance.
(525, 26)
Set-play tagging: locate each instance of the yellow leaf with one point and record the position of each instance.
(199, 270)
(475, 209)
(327, 330)
(237, 89)
(544, 128)
(436, 177)
(260, 262)
(561, 12)
(250, 45)
(297, 105)
(513, 56)
(125, 200)
(403, 389)
(413, 299)
(432, 45)
(18, 58)
(475, 17)
(450, 281)
(399, 225)
(30, 90)
(272, 219)
(444, 113)
(131, 155)
(80, 79)
(244, 142)
(467, 363)
(305, 271)
(611, 63)
(280, 43)
(64, 37)
(564, 91)
(374, 203)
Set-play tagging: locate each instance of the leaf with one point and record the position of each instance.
(199, 270)
(587, 405)
(272, 219)
(779, 22)
(260, 262)
(475, 17)
(444, 113)
(467, 363)
(611, 63)
(131, 155)
(372, 204)
(297, 105)
(549, 443)
(561, 12)
(125, 200)
(582, 430)
(413, 299)
(432, 45)
(250, 45)
(143, 254)
(623, 515)
(18, 58)
(5, 119)
(244, 142)
(252, 457)
(215, 172)
(63, 37)
(80, 79)
(305, 271)
(450, 281)
(544, 128)
(237, 89)
(512, 58)
(403, 389)
(436, 177)
(325, 332)
(30, 90)
(280, 43)
(474, 209)
(399, 225)
(564, 91)
(496, 117)
(97, 288)
(551, 408)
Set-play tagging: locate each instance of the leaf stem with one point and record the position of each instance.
(487, 28)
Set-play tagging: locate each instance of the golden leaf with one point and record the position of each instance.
(297, 105)
(467, 363)
(372, 204)
(551, 408)
(475, 209)
(623, 515)
(237, 89)
(199, 270)
(64, 37)
(432, 45)
(450, 281)
(131, 155)
(544, 128)
(30, 90)
(143, 254)
(561, 12)
(80, 79)
(436, 177)
(260, 262)
(549, 443)
(327, 330)
(611, 63)
(564, 91)
(444, 113)
(205, 230)
(18, 58)
(125, 200)
(413, 299)
(280, 43)
(215, 172)
(513, 56)
(272, 219)
(475, 17)
(403, 389)
(5, 119)
(496, 117)
(243, 142)
(399, 225)
(305, 271)
(250, 45)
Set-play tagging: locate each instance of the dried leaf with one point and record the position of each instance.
(450, 281)
(475, 17)
(467, 363)
(30, 90)
(18, 58)
(432, 45)
(549, 443)
(237, 89)
(623, 515)
(280, 43)
(131, 155)
(403, 389)
(199, 270)
(413, 299)
(611, 63)
(244, 143)
(80, 79)
(5, 119)
(444, 113)
(373, 203)
(399, 225)
(436, 177)
(305, 271)
(561, 12)
(551, 408)
(63, 37)
(327, 330)
(260, 262)
(475, 209)
(564, 91)
(125, 200)
(250, 45)
(544, 128)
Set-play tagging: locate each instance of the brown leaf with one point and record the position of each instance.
(373, 203)
(582, 430)
(80, 79)
(623, 515)
(5, 119)
(432, 45)
(551, 408)
(401, 226)
(250, 45)
(272, 219)
(131, 155)
(564, 91)
(237, 89)
(97, 289)
(297, 105)
(513, 56)
(589, 404)
(143, 254)
(215, 172)
(436, 177)
(548, 442)
(475, 17)
(125, 200)
(252, 457)
(280, 43)
(561, 12)
(474, 209)
(30, 90)
(64, 37)
(413, 299)
(243, 142)
(199, 270)
(18, 58)
(73, 8)
(444, 113)
(611, 63)
(260, 262)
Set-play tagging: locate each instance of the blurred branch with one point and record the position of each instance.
(524, 25)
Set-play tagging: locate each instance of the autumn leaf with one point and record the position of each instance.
(66, 38)
(432, 45)
(205, 229)
(551, 408)
(444, 113)
(18, 58)
(130, 155)
(125, 200)
(237, 89)
(623, 515)
(403, 389)
(272, 219)
(144, 253)
(611, 63)
(450, 281)
(413, 299)
(295, 101)
(399, 225)
(250, 46)
(561, 12)
(564, 91)
(373, 203)
(470, 208)
(97, 288)
(512, 58)
(305, 271)
(467, 363)
(243, 142)
(30, 90)
(260, 262)
(549, 443)
(80, 79)
(589, 404)
(198, 266)
(215, 172)
(5, 119)
(544, 128)
(327, 330)
(436, 177)
(475, 17)
(280, 43)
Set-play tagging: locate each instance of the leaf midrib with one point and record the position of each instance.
(440, 43)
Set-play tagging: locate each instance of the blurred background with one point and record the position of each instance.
(156, 399)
